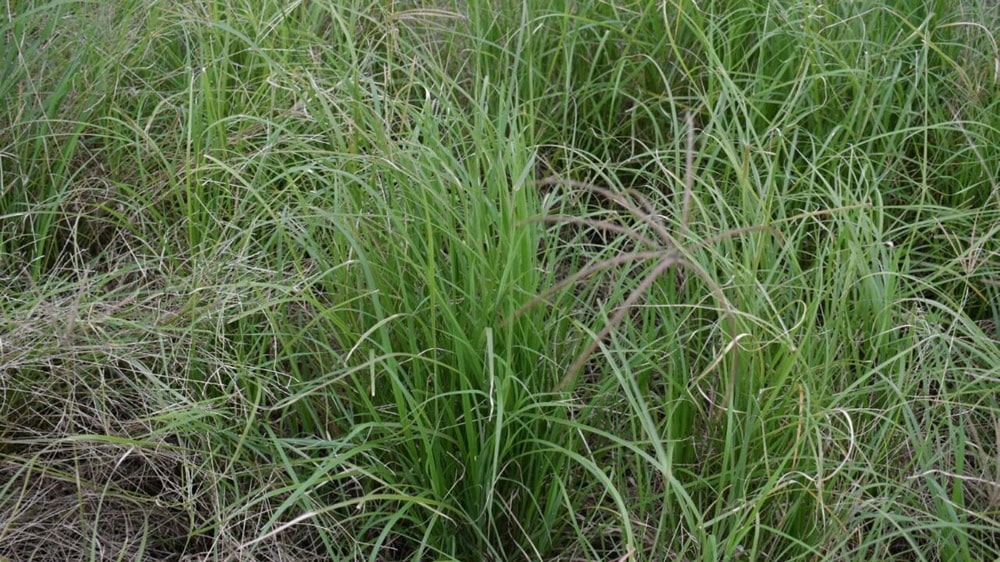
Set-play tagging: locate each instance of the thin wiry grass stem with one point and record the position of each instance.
(584, 273)
(598, 224)
(658, 228)
(668, 261)
(648, 207)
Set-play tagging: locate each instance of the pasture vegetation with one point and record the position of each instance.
(477, 280)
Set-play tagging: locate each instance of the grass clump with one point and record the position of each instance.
(467, 281)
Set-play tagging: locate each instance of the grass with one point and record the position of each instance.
(635, 280)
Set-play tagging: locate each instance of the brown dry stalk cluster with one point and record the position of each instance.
(666, 251)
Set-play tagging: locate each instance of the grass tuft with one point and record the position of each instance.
(273, 275)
